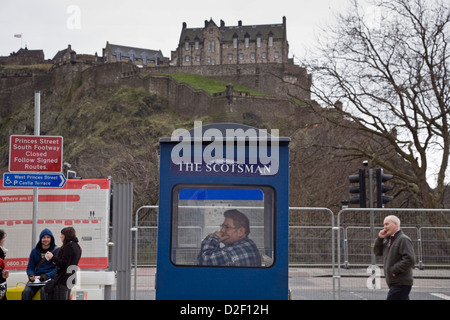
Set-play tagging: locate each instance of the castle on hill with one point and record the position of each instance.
(225, 45)
(211, 44)
(255, 56)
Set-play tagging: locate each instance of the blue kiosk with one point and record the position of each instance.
(204, 173)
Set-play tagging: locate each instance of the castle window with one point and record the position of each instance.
(241, 56)
(252, 56)
(264, 55)
(197, 58)
(230, 56)
(212, 46)
(277, 54)
(247, 42)
(187, 58)
(186, 46)
(270, 41)
(235, 43)
(258, 42)
(196, 45)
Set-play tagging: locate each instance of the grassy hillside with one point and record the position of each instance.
(114, 131)
(210, 85)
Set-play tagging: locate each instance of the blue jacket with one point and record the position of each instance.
(36, 255)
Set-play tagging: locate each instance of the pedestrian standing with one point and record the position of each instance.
(4, 274)
(66, 260)
(398, 258)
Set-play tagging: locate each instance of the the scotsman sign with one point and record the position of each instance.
(225, 154)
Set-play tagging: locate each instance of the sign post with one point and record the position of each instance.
(35, 154)
(37, 132)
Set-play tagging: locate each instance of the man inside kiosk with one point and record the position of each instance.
(239, 250)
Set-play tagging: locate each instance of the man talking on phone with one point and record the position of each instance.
(398, 258)
(239, 249)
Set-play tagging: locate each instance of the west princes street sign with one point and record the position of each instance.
(223, 151)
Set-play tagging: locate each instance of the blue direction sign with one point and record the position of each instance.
(33, 180)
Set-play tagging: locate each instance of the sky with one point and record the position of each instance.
(51, 25)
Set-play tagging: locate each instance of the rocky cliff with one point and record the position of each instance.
(111, 117)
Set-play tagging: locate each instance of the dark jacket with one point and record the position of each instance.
(2, 265)
(68, 256)
(398, 258)
(37, 254)
(2, 279)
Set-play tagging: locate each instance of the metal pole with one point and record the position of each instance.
(372, 218)
(136, 250)
(37, 129)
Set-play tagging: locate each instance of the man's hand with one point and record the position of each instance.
(48, 255)
(382, 234)
(31, 278)
(223, 237)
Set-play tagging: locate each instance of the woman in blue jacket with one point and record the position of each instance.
(39, 269)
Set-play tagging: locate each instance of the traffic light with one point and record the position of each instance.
(382, 188)
(359, 178)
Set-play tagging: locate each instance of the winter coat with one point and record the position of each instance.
(37, 254)
(68, 256)
(2, 265)
(2, 279)
(398, 258)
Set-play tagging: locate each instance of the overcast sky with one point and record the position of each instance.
(87, 24)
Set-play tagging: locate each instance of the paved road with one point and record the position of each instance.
(317, 284)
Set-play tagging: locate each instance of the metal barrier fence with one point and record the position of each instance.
(330, 256)
(429, 231)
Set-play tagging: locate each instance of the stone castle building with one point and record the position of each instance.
(254, 56)
(24, 57)
(137, 56)
(222, 45)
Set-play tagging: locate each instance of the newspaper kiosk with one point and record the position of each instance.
(203, 173)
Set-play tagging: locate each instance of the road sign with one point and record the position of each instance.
(33, 180)
(35, 154)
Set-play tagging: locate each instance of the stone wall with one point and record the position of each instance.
(182, 98)
(241, 108)
(283, 80)
(17, 87)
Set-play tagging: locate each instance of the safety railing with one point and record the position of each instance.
(322, 240)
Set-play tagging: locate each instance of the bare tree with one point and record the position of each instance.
(391, 78)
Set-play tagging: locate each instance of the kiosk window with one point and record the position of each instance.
(223, 226)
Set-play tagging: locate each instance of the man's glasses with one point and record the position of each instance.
(227, 227)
